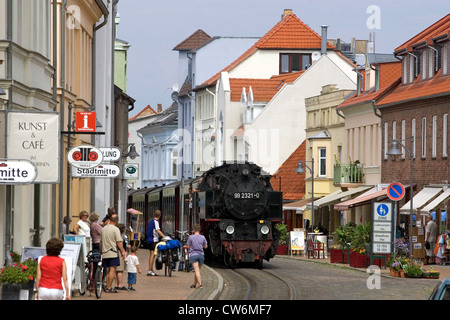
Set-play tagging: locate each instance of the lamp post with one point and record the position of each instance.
(395, 151)
(300, 170)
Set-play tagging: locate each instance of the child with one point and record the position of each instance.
(132, 268)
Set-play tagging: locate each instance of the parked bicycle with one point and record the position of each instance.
(167, 255)
(184, 264)
(94, 274)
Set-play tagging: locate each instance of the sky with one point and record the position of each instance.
(154, 27)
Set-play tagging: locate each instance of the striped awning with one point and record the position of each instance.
(439, 200)
(365, 198)
(337, 196)
(420, 200)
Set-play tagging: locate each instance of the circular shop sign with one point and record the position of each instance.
(84, 157)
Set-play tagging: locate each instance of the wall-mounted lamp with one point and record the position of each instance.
(132, 154)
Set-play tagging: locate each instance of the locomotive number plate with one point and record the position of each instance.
(246, 195)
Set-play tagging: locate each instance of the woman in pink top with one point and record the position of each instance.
(51, 269)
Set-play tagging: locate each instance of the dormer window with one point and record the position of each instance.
(428, 63)
(445, 56)
(291, 62)
(410, 67)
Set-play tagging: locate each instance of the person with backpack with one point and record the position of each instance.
(153, 234)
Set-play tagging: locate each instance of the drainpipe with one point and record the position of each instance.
(436, 54)
(374, 107)
(62, 110)
(358, 81)
(9, 188)
(416, 63)
(95, 28)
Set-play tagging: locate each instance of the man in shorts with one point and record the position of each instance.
(111, 242)
(153, 234)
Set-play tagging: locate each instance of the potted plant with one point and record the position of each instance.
(360, 245)
(413, 269)
(16, 277)
(283, 238)
(344, 235)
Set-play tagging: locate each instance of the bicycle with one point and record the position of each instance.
(184, 261)
(94, 274)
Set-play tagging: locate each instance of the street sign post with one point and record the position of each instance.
(382, 228)
(396, 191)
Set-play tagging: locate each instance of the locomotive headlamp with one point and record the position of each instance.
(230, 229)
(265, 230)
(245, 171)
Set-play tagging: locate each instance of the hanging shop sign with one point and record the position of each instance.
(130, 171)
(85, 121)
(85, 157)
(17, 172)
(35, 136)
(101, 171)
(111, 153)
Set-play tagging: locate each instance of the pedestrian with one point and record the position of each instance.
(430, 238)
(109, 214)
(111, 242)
(196, 243)
(65, 225)
(51, 269)
(153, 234)
(82, 227)
(96, 231)
(121, 267)
(133, 268)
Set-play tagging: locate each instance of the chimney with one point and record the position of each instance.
(323, 48)
(286, 13)
(159, 107)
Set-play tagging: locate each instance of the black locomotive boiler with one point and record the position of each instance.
(238, 212)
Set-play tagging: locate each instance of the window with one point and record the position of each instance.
(386, 140)
(322, 162)
(444, 134)
(413, 134)
(424, 137)
(403, 137)
(434, 137)
(290, 62)
(174, 162)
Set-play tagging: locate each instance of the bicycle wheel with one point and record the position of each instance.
(170, 264)
(84, 283)
(98, 281)
(187, 262)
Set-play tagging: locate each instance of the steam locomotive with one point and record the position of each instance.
(234, 203)
(238, 211)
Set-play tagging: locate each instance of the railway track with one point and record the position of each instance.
(255, 284)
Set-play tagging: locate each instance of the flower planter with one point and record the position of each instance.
(282, 249)
(358, 260)
(338, 256)
(11, 291)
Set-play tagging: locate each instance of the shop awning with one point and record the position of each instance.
(337, 196)
(299, 206)
(425, 196)
(363, 199)
(442, 198)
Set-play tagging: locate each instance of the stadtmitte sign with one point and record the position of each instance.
(17, 172)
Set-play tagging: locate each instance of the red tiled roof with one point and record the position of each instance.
(289, 33)
(194, 41)
(420, 89)
(292, 183)
(426, 36)
(147, 111)
(390, 77)
(263, 89)
(438, 85)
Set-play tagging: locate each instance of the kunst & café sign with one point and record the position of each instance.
(34, 136)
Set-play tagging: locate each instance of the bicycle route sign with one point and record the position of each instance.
(382, 230)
